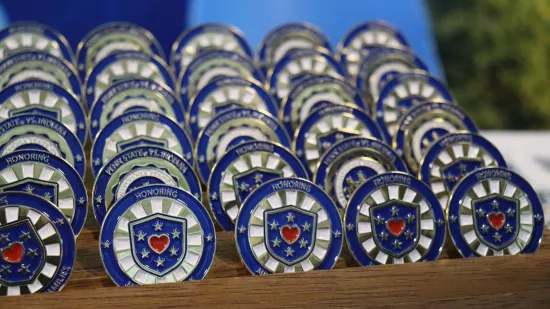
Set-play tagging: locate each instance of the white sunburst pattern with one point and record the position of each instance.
(364, 225)
(300, 200)
(41, 71)
(147, 207)
(17, 42)
(291, 40)
(486, 189)
(380, 70)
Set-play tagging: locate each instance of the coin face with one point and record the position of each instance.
(49, 177)
(204, 38)
(350, 162)
(295, 66)
(42, 133)
(209, 65)
(286, 37)
(138, 167)
(401, 94)
(493, 211)
(315, 92)
(224, 94)
(38, 244)
(327, 125)
(135, 95)
(423, 125)
(394, 218)
(46, 99)
(454, 156)
(157, 234)
(231, 128)
(125, 65)
(139, 129)
(243, 169)
(31, 36)
(114, 37)
(288, 225)
(39, 66)
(365, 38)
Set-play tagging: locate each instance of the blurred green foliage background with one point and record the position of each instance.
(496, 56)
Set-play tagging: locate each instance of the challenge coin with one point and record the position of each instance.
(209, 65)
(139, 129)
(157, 234)
(326, 126)
(134, 95)
(231, 128)
(493, 211)
(111, 38)
(241, 170)
(423, 125)
(350, 162)
(227, 93)
(401, 94)
(42, 133)
(204, 38)
(394, 218)
(295, 66)
(26, 36)
(34, 97)
(288, 225)
(138, 167)
(49, 177)
(125, 65)
(38, 245)
(315, 92)
(287, 37)
(454, 156)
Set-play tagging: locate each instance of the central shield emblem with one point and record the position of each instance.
(326, 140)
(245, 183)
(455, 171)
(290, 233)
(496, 220)
(141, 141)
(396, 227)
(44, 189)
(158, 243)
(39, 110)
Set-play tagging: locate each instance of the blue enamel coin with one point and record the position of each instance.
(494, 211)
(394, 218)
(157, 234)
(241, 170)
(288, 225)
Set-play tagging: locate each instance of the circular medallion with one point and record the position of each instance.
(326, 126)
(49, 177)
(423, 125)
(32, 36)
(288, 225)
(493, 211)
(394, 218)
(125, 65)
(454, 156)
(365, 38)
(110, 38)
(42, 133)
(43, 98)
(204, 38)
(286, 37)
(401, 94)
(139, 129)
(134, 95)
(224, 94)
(138, 167)
(350, 162)
(231, 128)
(209, 65)
(39, 66)
(383, 65)
(38, 245)
(243, 169)
(295, 66)
(157, 234)
(315, 92)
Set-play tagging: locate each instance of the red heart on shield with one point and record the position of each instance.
(290, 233)
(159, 243)
(13, 253)
(395, 226)
(496, 220)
